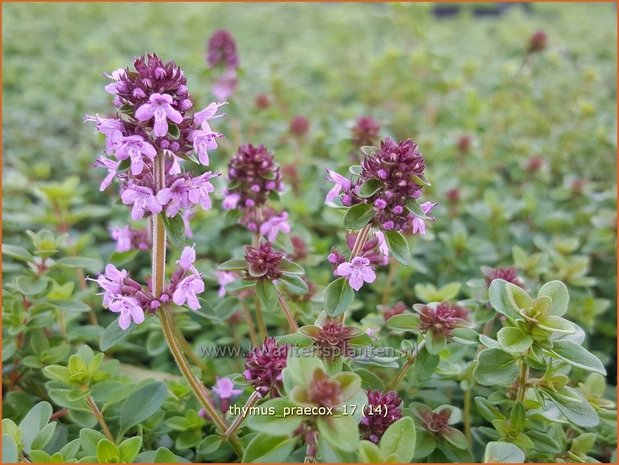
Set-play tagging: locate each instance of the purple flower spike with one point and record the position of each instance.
(358, 271)
(160, 107)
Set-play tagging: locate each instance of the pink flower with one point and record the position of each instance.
(187, 214)
(382, 243)
(142, 199)
(115, 76)
(135, 148)
(111, 166)
(111, 282)
(123, 237)
(419, 225)
(225, 86)
(204, 140)
(186, 291)
(230, 201)
(274, 225)
(341, 183)
(358, 271)
(199, 190)
(223, 278)
(129, 310)
(110, 128)
(159, 106)
(224, 388)
(174, 197)
(188, 256)
(208, 113)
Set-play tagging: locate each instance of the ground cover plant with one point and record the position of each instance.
(354, 233)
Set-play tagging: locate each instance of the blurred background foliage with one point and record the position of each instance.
(535, 187)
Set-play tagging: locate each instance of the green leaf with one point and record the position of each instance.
(294, 284)
(369, 188)
(16, 252)
(9, 449)
(340, 432)
(499, 300)
(370, 453)
(270, 449)
(173, 131)
(130, 448)
(338, 297)
(425, 364)
(398, 247)
(577, 356)
(421, 180)
(518, 417)
(495, 367)
(287, 266)
(34, 421)
(107, 452)
(142, 404)
(369, 150)
(435, 342)
(300, 370)
(44, 436)
(236, 264)
(404, 322)
(57, 372)
(556, 324)
(557, 291)
(400, 439)
(276, 424)
(414, 207)
(583, 443)
(164, 455)
(113, 334)
(369, 380)
(71, 306)
(87, 263)
(267, 293)
(89, 438)
(518, 298)
(578, 412)
(456, 438)
(503, 452)
(358, 216)
(514, 340)
(175, 227)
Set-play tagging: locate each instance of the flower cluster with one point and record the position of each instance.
(155, 118)
(263, 261)
(389, 405)
(332, 339)
(299, 126)
(390, 180)
(323, 391)
(128, 238)
(365, 131)
(538, 42)
(509, 274)
(128, 298)
(221, 52)
(264, 366)
(360, 268)
(441, 319)
(388, 311)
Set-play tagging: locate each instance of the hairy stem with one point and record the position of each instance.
(97, 413)
(189, 352)
(262, 327)
(467, 414)
(310, 452)
(291, 323)
(165, 317)
(253, 399)
(409, 362)
(196, 385)
(522, 380)
(250, 325)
